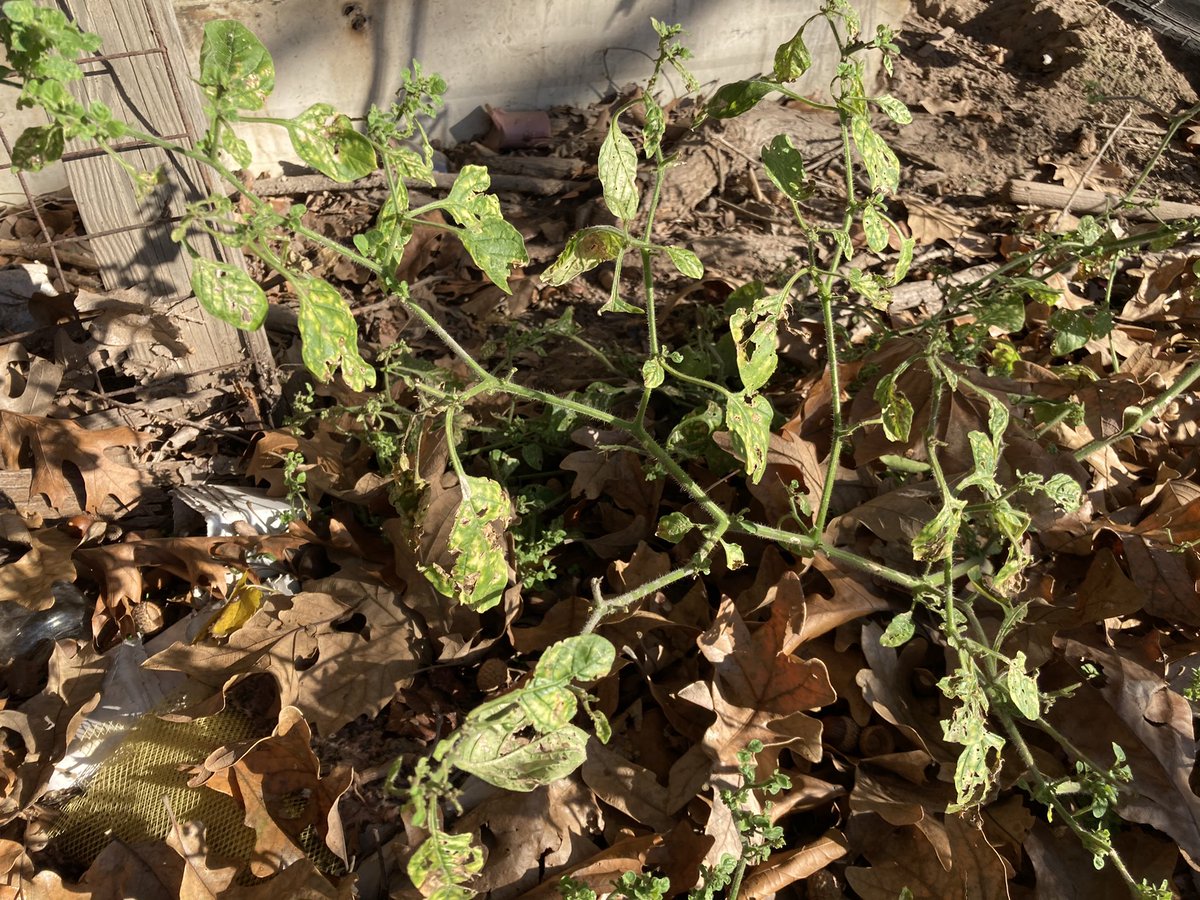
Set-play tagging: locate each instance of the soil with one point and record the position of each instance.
(1005, 89)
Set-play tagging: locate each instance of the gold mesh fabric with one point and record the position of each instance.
(124, 799)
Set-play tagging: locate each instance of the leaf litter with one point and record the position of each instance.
(368, 661)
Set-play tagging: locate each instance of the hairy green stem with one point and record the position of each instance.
(1017, 741)
(648, 282)
(1176, 123)
(1182, 383)
(825, 293)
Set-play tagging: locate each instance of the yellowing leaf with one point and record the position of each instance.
(244, 601)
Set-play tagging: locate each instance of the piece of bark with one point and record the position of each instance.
(913, 294)
(38, 252)
(1056, 196)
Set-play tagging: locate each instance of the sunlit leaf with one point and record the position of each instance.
(235, 67)
(479, 574)
(792, 58)
(584, 251)
(229, 293)
(584, 657)
(653, 373)
(1073, 329)
(674, 527)
(244, 601)
(875, 229)
(896, 410)
(937, 538)
(617, 168)
(749, 427)
(784, 165)
(899, 631)
(735, 556)
(756, 354)
(986, 453)
(327, 141)
(732, 100)
(329, 334)
(895, 109)
(237, 148)
(443, 864)
(655, 127)
(1006, 312)
(495, 246)
(883, 168)
(687, 262)
(1064, 491)
(514, 764)
(904, 261)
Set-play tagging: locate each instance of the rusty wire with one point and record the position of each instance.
(158, 48)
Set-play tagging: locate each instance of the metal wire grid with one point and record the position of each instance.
(50, 241)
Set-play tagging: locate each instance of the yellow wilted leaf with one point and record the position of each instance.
(244, 601)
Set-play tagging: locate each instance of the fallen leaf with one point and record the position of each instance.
(600, 871)
(957, 108)
(627, 786)
(27, 383)
(45, 724)
(929, 224)
(789, 866)
(150, 871)
(278, 783)
(202, 879)
(55, 443)
(758, 691)
(1136, 709)
(899, 860)
(548, 827)
(29, 582)
(332, 672)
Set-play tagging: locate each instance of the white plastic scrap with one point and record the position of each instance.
(222, 506)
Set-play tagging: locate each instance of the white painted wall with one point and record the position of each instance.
(518, 54)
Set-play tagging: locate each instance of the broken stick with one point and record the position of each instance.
(1056, 196)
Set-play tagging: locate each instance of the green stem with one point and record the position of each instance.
(693, 380)
(648, 282)
(825, 293)
(735, 884)
(1182, 383)
(1178, 122)
(1017, 741)
(602, 607)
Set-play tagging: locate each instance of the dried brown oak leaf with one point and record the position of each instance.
(789, 866)
(1136, 709)
(202, 562)
(759, 690)
(54, 443)
(325, 662)
(533, 833)
(901, 859)
(29, 581)
(279, 785)
(204, 876)
(43, 726)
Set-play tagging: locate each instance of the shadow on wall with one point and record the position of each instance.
(506, 53)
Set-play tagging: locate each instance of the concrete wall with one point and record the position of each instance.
(519, 54)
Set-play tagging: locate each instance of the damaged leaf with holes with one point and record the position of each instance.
(477, 545)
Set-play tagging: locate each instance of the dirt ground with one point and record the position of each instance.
(1014, 89)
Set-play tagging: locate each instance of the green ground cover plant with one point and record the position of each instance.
(970, 560)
